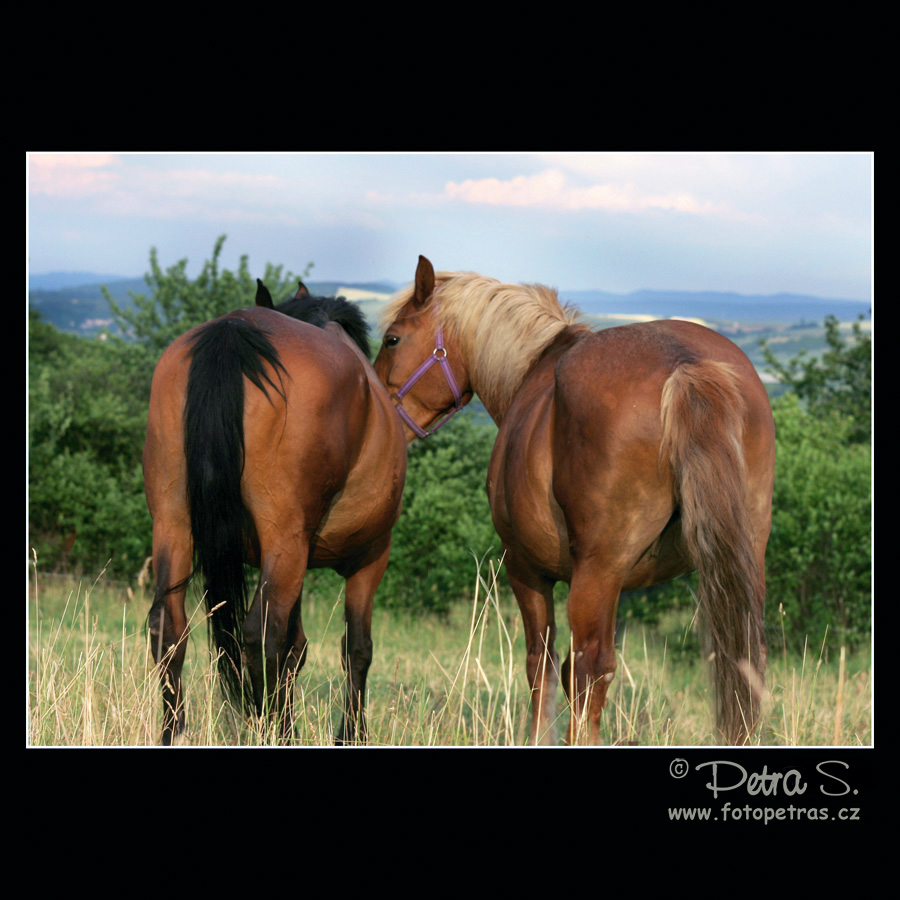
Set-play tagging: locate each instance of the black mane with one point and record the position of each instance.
(319, 311)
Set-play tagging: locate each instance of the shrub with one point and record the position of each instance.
(87, 414)
(819, 555)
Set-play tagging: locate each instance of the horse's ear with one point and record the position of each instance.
(263, 297)
(424, 281)
(301, 291)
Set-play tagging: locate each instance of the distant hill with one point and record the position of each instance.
(80, 307)
(55, 281)
(719, 307)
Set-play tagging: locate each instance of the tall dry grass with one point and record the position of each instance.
(457, 682)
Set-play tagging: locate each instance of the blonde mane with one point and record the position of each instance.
(501, 328)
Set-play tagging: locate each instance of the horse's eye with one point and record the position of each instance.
(391, 340)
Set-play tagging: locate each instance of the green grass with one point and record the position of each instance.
(456, 682)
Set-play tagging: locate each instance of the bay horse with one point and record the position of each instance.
(270, 442)
(624, 458)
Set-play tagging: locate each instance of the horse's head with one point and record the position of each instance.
(320, 311)
(418, 362)
(264, 298)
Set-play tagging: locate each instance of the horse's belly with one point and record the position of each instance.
(533, 529)
(526, 515)
(546, 544)
(662, 561)
(360, 515)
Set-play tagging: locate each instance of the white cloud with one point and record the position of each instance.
(552, 189)
(138, 186)
(71, 174)
(542, 189)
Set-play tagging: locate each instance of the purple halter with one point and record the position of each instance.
(438, 355)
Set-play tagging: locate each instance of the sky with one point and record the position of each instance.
(752, 223)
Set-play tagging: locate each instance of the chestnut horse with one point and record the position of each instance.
(624, 457)
(270, 442)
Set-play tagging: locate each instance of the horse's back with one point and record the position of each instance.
(614, 359)
(611, 382)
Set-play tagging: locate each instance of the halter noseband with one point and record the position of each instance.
(438, 355)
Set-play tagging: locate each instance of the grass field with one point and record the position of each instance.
(457, 682)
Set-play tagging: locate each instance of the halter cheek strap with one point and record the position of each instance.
(438, 355)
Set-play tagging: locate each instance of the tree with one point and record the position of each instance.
(177, 303)
(840, 382)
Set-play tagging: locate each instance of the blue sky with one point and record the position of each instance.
(754, 223)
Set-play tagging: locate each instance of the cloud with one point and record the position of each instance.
(544, 189)
(71, 174)
(139, 186)
(551, 189)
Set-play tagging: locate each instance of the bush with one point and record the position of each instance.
(87, 415)
(820, 552)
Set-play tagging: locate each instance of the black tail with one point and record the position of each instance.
(223, 352)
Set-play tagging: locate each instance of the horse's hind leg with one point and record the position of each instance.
(274, 642)
(591, 664)
(534, 594)
(356, 644)
(295, 659)
(168, 634)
